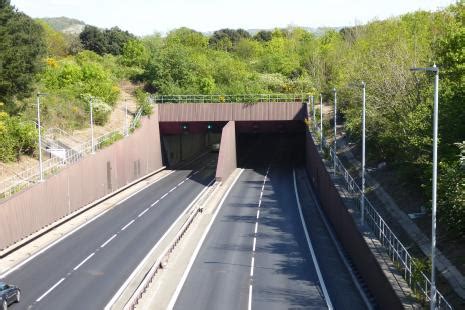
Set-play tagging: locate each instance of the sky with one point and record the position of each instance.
(144, 17)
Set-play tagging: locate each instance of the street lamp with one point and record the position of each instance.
(335, 130)
(92, 126)
(313, 109)
(126, 126)
(435, 175)
(363, 85)
(41, 168)
(321, 122)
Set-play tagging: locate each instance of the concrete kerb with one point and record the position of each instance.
(18, 254)
(166, 283)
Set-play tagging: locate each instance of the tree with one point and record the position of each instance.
(21, 50)
(57, 45)
(263, 36)
(134, 53)
(220, 37)
(108, 41)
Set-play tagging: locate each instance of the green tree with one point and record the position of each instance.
(21, 50)
(134, 53)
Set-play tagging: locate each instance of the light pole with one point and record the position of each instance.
(92, 126)
(41, 168)
(435, 175)
(126, 126)
(335, 130)
(321, 122)
(313, 110)
(363, 148)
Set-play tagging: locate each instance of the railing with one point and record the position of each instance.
(31, 176)
(397, 252)
(245, 98)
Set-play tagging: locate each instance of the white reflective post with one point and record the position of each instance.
(92, 127)
(41, 168)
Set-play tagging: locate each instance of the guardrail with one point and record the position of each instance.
(397, 252)
(31, 176)
(245, 98)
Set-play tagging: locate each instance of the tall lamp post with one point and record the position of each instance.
(41, 168)
(321, 122)
(435, 70)
(335, 130)
(313, 110)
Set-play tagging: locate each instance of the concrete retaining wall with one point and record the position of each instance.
(347, 231)
(227, 160)
(80, 184)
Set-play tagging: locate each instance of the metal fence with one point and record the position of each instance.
(51, 166)
(397, 252)
(245, 98)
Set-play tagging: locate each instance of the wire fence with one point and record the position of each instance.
(245, 98)
(28, 177)
(397, 252)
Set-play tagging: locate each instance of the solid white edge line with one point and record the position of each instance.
(339, 251)
(50, 289)
(84, 261)
(249, 306)
(144, 260)
(310, 246)
(109, 240)
(128, 224)
(175, 296)
(24, 262)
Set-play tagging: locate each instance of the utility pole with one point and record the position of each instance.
(92, 126)
(41, 168)
(363, 151)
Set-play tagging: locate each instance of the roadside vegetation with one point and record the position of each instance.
(71, 69)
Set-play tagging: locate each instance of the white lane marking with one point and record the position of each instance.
(24, 262)
(108, 241)
(84, 261)
(310, 246)
(258, 214)
(163, 197)
(256, 227)
(249, 307)
(259, 203)
(261, 194)
(181, 183)
(156, 202)
(175, 296)
(252, 264)
(143, 262)
(254, 243)
(128, 224)
(143, 212)
(50, 289)
(173, 189)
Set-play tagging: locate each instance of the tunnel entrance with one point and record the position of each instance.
(281, 143)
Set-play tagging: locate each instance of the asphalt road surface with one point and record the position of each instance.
(256, 255)
(86, 269)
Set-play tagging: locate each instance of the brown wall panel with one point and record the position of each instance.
(80, 184)
(227, 161)
(347, 231)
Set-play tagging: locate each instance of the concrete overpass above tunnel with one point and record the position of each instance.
(187, 129)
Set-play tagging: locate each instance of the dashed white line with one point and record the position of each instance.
(254, 243)
(250, 298)
(128, 224)
(108, 241)
(50, 289)
(84, 261)
(173, 189)
(256, 227)
(153, 204)
(258, 214)
(259, 203)
(252, 264)
(181, 183)
(143, 212)
(163, 197)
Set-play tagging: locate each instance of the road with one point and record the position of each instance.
(256, 255)
(86, 269)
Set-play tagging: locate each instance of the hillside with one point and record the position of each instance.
(65, 24)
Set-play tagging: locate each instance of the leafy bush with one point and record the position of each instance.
(16, 137)
(143, 102)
